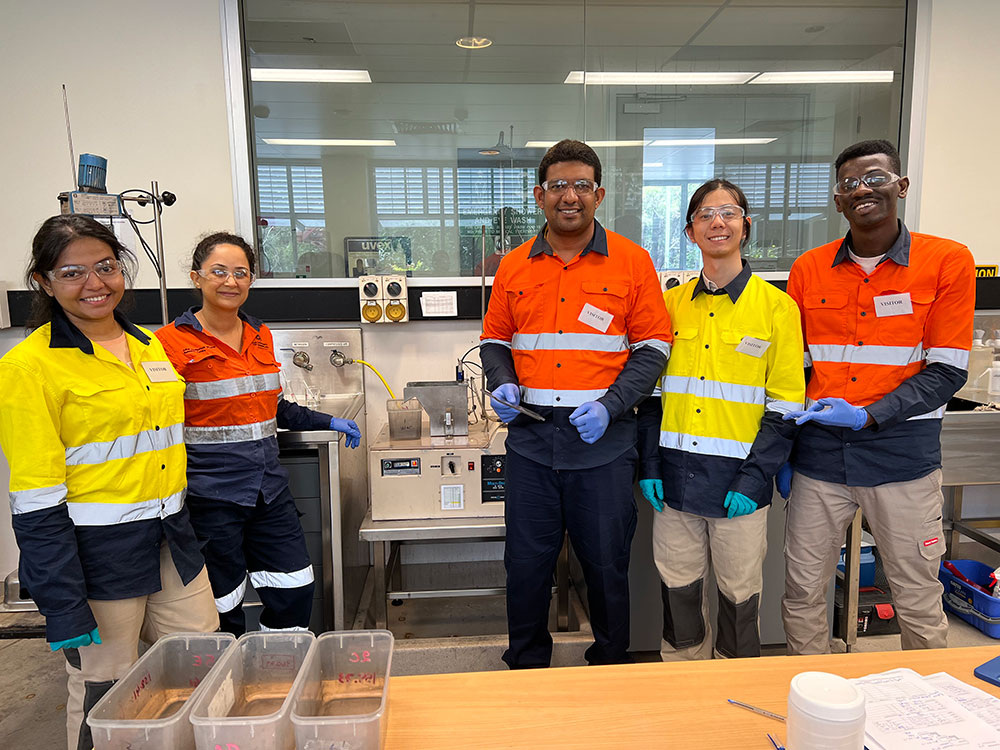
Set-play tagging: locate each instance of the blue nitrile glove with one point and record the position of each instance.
(591, 420)
(652, 490)
(783, 480)
(739, 504)
(79, 642)
(831, 411)
(350, 429)
(511, 393)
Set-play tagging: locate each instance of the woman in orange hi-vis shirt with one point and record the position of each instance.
(241, 507)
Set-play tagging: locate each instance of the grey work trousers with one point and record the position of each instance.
(905, 519)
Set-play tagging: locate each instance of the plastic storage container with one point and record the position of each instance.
(341, 700)
(148, 708)
(246, 699)
(404, 418)
(980, 610)
(866, 576)
(825, 712)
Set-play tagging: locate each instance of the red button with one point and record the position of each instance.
(472, 465)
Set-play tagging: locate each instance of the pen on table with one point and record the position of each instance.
(756, 710)
(777, 745)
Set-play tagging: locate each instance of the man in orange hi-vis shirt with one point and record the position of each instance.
(887, 320)
(577, 330)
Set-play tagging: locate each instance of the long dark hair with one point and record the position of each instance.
(55, 234)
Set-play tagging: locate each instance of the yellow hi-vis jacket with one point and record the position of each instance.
(97, 470)
(733, 372)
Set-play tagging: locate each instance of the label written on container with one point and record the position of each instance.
(452, 497)
(277, 661)
(893, 304)
(224, 698)
(752, 346)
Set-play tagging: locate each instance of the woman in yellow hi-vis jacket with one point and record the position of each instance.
(91, 423)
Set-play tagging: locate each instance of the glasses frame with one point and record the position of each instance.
(117, 271)
(716, 211)
(210, 275)
(552, 186)
(864, 179)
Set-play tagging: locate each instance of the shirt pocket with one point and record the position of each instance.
(826, 318)
(526, 307)
(608, 297)
(684, 351)
(98, 412)
(742, 367)
(906, 330)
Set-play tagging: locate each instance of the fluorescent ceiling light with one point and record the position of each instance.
(711, 141)
(326, 142)
(592, 144)
(309, 75)
(625, 78)
(826, 76)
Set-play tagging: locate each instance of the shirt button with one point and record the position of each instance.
(558, 399)
(854, 380)
(520, 292)
(157, 428)
(163, 466)
(690, 476)
(147, 387)
(702, 377)
(677, 333)
(847, 445)
(605, 289)
(863, 313)
(557, 429)
(560, 330)
(711, 315)
(562, 299)
(861, 343)
(558, 364)
(706, 346)
(866, 281)
(823, 301)
(697, 411)
(694, 442)
(565, 268)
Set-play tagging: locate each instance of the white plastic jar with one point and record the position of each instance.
(825, 712)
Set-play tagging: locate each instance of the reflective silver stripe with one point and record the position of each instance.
(293, 580)
(706, 446)
(25, 501)
(232, 600)
(586, 342)
(234, 433)
(744, 394)
(807, 360)
(109, 514)
(955, 357)
(782, 407)
(545, 397)
(660, 346)
(656, 392)
(501, 342)
(936, 414)
(126, 446)
(897, 356)
(232, 387)
(294, 629)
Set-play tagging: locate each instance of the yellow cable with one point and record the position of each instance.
(372, 368)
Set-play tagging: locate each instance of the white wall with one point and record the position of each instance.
(962, 111)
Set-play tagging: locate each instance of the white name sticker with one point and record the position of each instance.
(893, 304)
(159, 372)
(595, 317)
(753, 347)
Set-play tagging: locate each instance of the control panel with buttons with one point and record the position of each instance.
(494, 480)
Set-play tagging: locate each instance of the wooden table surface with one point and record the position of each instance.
(636, 706)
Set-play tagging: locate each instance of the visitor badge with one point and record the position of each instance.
(595, 317)
(159, 372)
(753, 347)
(893, 304)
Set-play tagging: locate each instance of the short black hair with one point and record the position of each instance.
(569, 150)
(869, 148)
(721, 184)
(209, 242)
(54, 236)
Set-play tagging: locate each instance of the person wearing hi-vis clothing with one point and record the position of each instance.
(577, 330)
(91, 417)
(887, 318)
(710, 449)
(241, 506)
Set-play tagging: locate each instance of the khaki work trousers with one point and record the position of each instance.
(685, 546)
(905, 519)
(175, 608)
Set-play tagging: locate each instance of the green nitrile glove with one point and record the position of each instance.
(79, 642)
(652, 490)
(739, 504)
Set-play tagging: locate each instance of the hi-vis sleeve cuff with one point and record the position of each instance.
(948, 356)
(661, 346)
(807, 360)
(26, 501)
(781, 407)
(501, 342)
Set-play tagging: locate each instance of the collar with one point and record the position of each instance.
(899, 252)
(734, 288)
(598, 243)
(64, 335)
(188, 319)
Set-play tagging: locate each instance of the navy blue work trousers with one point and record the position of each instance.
(262, 545)
(596, 506)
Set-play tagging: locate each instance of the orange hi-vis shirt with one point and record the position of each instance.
(895, 341)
